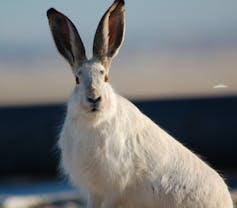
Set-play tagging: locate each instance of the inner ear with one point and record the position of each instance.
(116, 29)
(110, 33)
(66, 38)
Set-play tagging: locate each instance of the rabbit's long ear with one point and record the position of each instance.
(110, 33)
(66, 38)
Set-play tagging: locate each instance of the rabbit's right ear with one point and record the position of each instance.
(66, 38)
(110, 33)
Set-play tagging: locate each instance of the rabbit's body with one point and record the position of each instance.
(125, 158)
(119, 156)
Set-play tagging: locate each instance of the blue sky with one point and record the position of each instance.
(156, 23)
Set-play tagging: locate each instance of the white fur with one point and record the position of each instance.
(123, 158)
(112, 150)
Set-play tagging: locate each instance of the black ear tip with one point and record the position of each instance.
(50, 11)
(120, 2)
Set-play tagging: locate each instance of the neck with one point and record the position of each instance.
(93, 119)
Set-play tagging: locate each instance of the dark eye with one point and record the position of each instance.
(77, 80)
(106, 78)
(102, 72)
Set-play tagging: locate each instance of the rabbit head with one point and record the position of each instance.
(92, 92)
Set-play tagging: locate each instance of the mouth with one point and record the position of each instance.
(94, 109)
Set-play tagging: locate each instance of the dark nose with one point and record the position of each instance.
(94, 100)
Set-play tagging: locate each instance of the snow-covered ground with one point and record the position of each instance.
(39, 193)
(53, 193)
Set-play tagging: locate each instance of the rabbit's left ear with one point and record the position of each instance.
(66, 38)
(110, 33)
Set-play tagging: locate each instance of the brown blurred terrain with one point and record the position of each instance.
(158, 74)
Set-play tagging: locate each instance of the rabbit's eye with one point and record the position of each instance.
(102, 72)
(106, 78)
(77, 80)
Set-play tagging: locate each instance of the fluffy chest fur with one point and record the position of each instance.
(134, 156)
(92, 153)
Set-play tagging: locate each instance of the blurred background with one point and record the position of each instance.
(178, 64)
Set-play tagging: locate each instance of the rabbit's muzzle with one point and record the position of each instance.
(93, 98)
(94, 103)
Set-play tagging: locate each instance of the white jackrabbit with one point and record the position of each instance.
(112, 150)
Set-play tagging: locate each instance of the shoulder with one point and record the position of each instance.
(127, 105)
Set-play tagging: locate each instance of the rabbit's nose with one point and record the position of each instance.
(94, 100)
